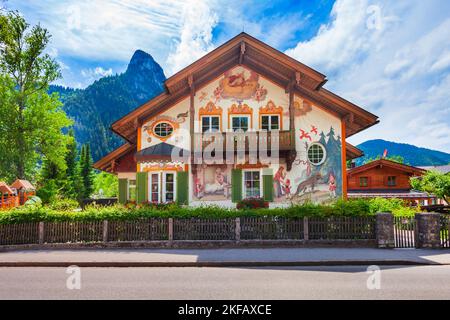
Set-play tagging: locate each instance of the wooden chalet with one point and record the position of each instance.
(24, 189)
(386, 179)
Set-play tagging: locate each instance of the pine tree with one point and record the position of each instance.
(87, 174)
(72, 171)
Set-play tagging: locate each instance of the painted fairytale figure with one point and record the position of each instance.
(332, 186)
(279, 183)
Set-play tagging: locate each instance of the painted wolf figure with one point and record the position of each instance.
(310, 182)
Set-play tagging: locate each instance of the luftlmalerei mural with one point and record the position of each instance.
(212, 182)
(241, 91)
(307, 181)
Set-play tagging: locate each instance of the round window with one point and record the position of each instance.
(163, 129)
(316, 154)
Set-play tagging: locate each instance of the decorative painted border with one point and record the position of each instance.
(271, 109)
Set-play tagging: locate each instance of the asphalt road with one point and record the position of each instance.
(350, 282)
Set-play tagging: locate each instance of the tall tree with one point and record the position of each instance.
(72, 182)
(31, 120)
(87, 173)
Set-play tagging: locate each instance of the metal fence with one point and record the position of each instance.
(404, 232)
(193, 229)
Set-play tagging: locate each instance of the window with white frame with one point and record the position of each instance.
(270, 122)
(316, 154)
(252, 184)
(210, 124)
(240, 123)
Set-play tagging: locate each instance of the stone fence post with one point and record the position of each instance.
(428, 228)
(385, 230)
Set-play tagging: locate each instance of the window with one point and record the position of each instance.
(391, 181)
(240, 123)
(316, 154)
(163, 129)
(363, 181)
(132, 190)
(210, 124)
(252, 184)
(271, 122)
(169, 191)
(154, 187)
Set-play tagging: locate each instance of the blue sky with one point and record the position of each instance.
(390, 57)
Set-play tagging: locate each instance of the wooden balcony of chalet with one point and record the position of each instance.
(255, 139)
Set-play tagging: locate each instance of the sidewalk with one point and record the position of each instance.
(223, 257)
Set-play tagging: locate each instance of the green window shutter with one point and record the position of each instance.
(268, 187)
(236, 185)
(141, 187)
(182, 188)
(123, 186)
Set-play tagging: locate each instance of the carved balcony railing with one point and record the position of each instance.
(255, 140)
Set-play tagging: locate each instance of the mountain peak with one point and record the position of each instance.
(412, 155)
(142, 61)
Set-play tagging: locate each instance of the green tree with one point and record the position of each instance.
(86, 171)
(72, 183)
(394, 158)
(107, 183)
(433, 182)
(31, 120)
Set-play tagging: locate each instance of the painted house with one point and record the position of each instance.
(387, 179)
(243, 121)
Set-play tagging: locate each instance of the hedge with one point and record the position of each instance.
(131, 212)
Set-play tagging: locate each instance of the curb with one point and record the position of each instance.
(217, 264)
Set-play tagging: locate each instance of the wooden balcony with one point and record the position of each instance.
(256, 140)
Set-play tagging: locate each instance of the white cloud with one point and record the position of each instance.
(96, 73)
(198, 21)
(399, 70)
(106, 29)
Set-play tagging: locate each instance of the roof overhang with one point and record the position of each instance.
(245, 50)
(107, 163)
(387, 163)
(352, 152)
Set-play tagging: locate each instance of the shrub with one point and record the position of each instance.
(33, 201)
(64, 204)
(138, 211)
(252, 203)
(48, 192)
(394, 205)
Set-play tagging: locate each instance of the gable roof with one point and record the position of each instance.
(252, 53)
(23, 184)
(387, 163)
(4, 188)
